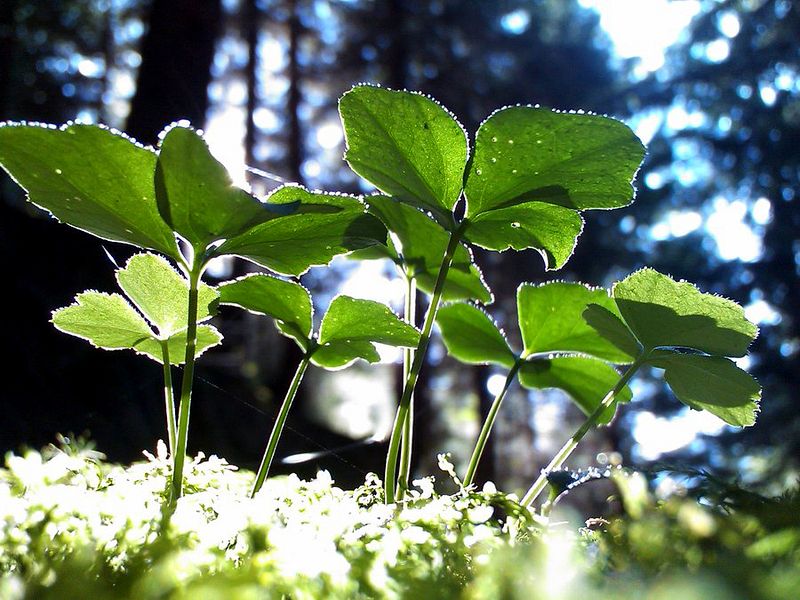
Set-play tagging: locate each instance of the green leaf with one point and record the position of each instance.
(577, 161)
(472, 337)
(104, 320)
(91, 178)
(195, 194)
(663, 312)
(287, 302)
(207, 337)
(586, 380)
(551, 320)
(418, 245)
(714, 384)
(552, 230)
(351, 326)
(162, 294)
(610, 326)
(292, 244)
(407, 145)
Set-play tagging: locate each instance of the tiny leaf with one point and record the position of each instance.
(405, 144)
(290, 245)
(195, 194)
(287, 302)
(91, 178)
(351, 326)
(586, 380)
(714, 384)
(471, 336)
(577, 161)
(551, 320)
(162, 294)
(552, 230)
(422, 243)
(663, 312)
(104, 320)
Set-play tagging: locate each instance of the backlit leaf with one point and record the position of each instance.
(351, 326)
(714, 384)
(195, 194)
(610, 326)
(89, 177)
(551, 320)
(405, 144)
(586, 380)
(287, 302)
(472, 337)
(552, 230)
(290, 245)
(207, 337)
(162, 294)
(419, 243)
(663, 312)
(105, 320)
(578, 161)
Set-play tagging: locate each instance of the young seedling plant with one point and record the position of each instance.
(532, 171)
(99, 181)
(571, 334)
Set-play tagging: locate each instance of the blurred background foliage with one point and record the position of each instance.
(712, 86)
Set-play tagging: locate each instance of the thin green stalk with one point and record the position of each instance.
(185, 402)
(169, 398)
(487, 425)
(410, 317)
(590, 422)
(390, 477)
(277, 429)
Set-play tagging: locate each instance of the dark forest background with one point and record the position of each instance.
(717, 204)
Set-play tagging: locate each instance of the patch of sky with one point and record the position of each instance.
(734, 238)
(655, 435)
(644, 29)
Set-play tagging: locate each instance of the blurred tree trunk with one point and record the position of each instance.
(173, 79)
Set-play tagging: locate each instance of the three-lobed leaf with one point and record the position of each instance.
(162, 294)
(663, 319)
(407, 145)
(92, 178)
(352, 326)
(287, 302)
(108, 321)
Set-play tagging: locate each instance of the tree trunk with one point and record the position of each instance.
(177, 53)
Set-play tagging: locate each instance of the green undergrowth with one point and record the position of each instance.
(75, 526)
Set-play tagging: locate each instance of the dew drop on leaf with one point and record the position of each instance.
(58, 171)
(515, 225)
(477, 171)
(494, 139)
(494, 160)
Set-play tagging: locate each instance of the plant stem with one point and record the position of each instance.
(408, 356)
(590, 422)
(390, 479)
(169, 398)
(487, 425)
(185, 402)
(277, 428)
